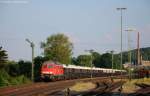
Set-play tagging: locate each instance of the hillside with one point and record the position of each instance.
(145, 53)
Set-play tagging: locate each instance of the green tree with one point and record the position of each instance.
(3, 57)
(25, 68)
(84, 60)
(96, 59)
(12, 68)
(74, 61)
(145, 52)
(125, 57)
(58, 48)
(116, 61)
(105, 60)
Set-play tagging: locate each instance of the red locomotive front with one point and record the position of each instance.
(51, 70)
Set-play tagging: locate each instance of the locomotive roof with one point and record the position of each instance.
(53, 63)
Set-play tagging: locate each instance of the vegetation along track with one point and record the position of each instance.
(42, 88)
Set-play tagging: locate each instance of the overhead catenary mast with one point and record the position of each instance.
(138, 50)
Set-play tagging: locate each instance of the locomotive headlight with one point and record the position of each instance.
(50, 72)
(45, 72)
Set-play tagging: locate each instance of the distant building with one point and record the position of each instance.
(145, 63)
(127, 65)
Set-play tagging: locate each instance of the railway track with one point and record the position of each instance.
(102, 89)
(35, 88)
(39, 88)
(46, 89)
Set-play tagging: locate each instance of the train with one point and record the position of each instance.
(142, 71)
(54, 71)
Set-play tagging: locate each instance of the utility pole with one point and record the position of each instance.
(112, 60)
(129, 51)
(32, 69)
(138, 50)
(121, 9)
(91, 51)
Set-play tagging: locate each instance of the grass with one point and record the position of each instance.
(83, 86)
(144, 80)
(130, 87)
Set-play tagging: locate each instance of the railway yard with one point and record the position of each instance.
(75, 48)
(103, 86)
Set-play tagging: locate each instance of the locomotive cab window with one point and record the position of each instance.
(49, 66)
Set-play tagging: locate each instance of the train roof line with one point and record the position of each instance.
(82, 67)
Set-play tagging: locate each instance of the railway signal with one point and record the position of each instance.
(32, 70)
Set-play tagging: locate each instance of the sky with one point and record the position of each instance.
(90, 24)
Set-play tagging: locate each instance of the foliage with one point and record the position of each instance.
(7, 80)
(145, 53)
(74, 61)
(105, 60)
(4, 76)
(84, 60)
(102, 61)
(25, 68)
(58, 48)
(116, 61)
(22, 79)
(12, 68)
(96, 59)
(3, 57)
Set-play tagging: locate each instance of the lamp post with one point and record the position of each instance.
(129, 50)
(32, 69)
(112, 62)
(91, 51)
(121, 9)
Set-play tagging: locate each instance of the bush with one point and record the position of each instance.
(22, 79)
(4, 78)
(7, 80)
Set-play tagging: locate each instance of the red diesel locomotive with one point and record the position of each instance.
(51, 70)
